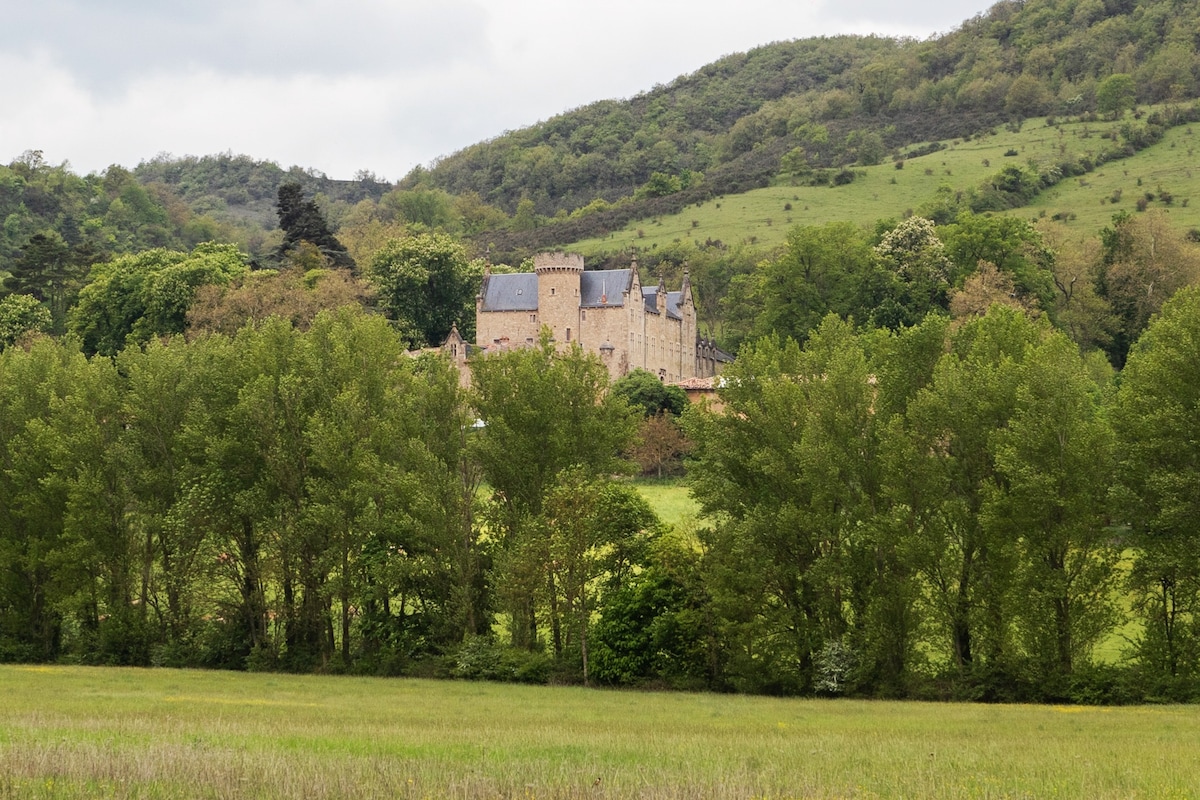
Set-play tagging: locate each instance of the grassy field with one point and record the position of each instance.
(670, 500)
(763, 216)
(71, 732)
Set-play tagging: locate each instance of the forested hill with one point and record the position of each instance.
(165, 202)
(787, 110)
(245, 187)
(841, 100)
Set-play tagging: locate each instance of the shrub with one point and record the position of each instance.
(835, 663)
(843, 177)
(482, 659)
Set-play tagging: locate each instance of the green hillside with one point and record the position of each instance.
(1084, 203)
(739, 123)
(747, 124)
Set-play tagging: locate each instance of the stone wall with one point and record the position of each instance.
(507, 328)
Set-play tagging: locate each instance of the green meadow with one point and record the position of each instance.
(76, 732)
(670, 499)
(764, 216)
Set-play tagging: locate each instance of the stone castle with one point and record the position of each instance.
(607, 312)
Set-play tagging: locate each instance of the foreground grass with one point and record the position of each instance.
(124, 733)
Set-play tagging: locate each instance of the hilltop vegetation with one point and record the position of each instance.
(831, 103)
(1035, 110)
(797, 111)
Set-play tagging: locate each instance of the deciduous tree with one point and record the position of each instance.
(788, 472)
(428, 283)
(21, 316)
(543, 411)
(146, 295)
(1156, 416)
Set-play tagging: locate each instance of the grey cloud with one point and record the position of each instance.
(107, 44)
(930, 16)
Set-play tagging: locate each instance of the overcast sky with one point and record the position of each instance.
(382, 85)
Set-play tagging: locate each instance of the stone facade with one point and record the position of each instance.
(607, 312)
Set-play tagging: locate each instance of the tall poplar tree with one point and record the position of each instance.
(1157, 418)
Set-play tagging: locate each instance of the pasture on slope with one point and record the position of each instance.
(77, 732)
(763, 216)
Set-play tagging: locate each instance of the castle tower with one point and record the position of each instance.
(558, 279)
(689, 333)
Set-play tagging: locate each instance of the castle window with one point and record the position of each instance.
(568, 334)
(551, 291)
(583, 315)
(533, 317)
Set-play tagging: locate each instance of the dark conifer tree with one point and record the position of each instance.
(302, 221)
(50, 271)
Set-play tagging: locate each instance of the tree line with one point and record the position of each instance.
(222, 465)
(969, 510)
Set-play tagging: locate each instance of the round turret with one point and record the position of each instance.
(558, 277)
(557, 262)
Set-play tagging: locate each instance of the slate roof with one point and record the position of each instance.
(519, 291)
(650, 297)
(595, 284)
(514, 292)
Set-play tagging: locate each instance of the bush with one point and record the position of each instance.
(482, 659)
(843, 177)
(924, 150)
(1105, 684)
(262, 659)
(835, 664)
